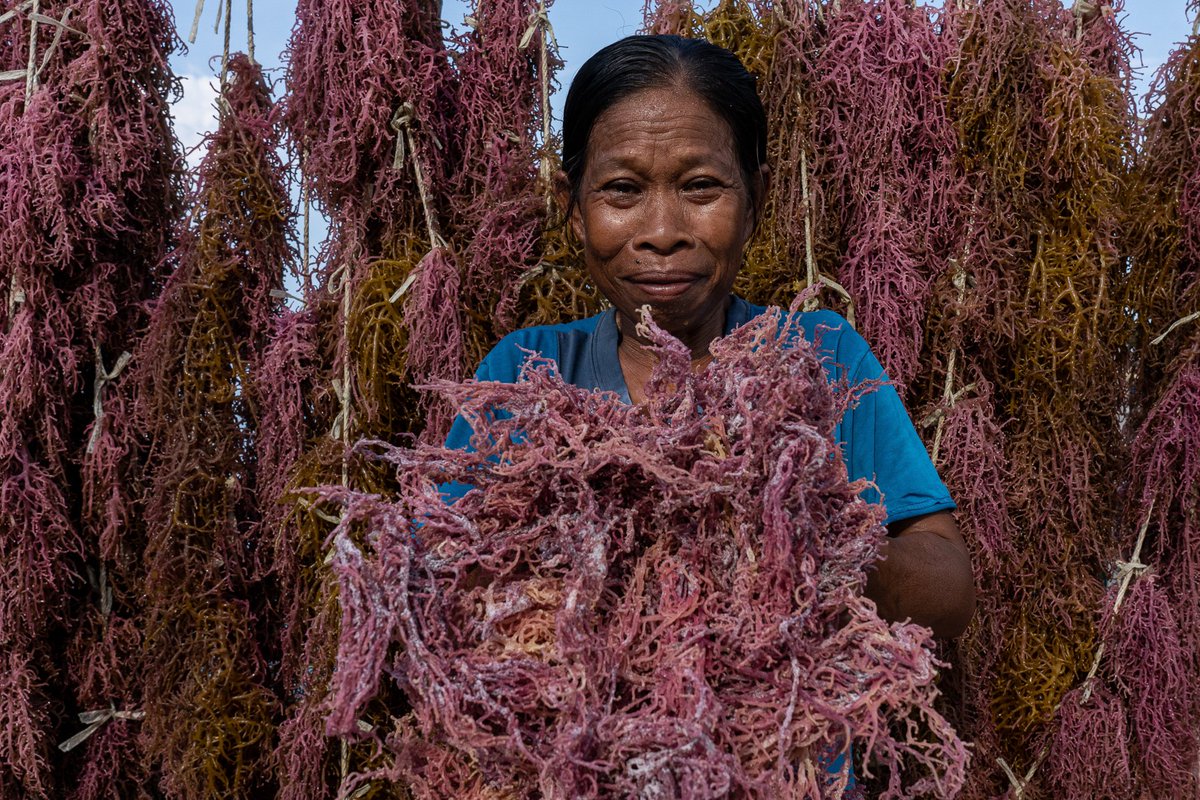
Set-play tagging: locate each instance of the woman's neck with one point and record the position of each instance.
(638, 358)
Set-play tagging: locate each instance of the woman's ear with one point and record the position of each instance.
(562, 197)
(760, 190)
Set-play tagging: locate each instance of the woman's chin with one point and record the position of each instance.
(682, 320)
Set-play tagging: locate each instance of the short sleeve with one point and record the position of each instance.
(882, 446)
(503, 364)
(459, 437)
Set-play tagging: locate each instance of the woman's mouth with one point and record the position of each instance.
(663, 286)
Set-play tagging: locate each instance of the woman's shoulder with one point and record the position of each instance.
(504, 361)
(833, 336)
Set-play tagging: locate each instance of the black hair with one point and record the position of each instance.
(653, 62)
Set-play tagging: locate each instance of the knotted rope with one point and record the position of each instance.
(95, 720)
(103, 378)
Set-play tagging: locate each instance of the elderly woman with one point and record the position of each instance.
(665, 175)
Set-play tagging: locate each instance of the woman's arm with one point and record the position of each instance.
(924, 575)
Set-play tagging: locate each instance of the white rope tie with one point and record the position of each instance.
(95, 720)
(103, 378)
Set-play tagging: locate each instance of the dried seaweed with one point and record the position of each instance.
(654, 599)
(885, 155)
(371, 110)
(437, 206)
(1045, 138)
(209, 706)
(1149, 618)
(89, 194)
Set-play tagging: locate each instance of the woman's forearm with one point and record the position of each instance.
(924, 575)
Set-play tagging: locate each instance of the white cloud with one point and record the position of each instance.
(195, 113)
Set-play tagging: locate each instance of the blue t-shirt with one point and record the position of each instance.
(878, 440)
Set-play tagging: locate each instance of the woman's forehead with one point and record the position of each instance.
(653, 123)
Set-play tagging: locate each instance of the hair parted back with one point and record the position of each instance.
(641, 62)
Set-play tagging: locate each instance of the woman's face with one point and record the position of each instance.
(664, 211)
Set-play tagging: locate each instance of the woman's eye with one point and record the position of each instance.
(621, 188)
(702, 185)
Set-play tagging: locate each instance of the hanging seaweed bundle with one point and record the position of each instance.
(89, 195)
(1147, 665)
(659, 599)
(1044, 129)
(968, 445)
(955, 404)
(135, 155)
(290, 370)
(371, 114)
(1164, 237)
(556, 288)
(504, 63)
(371, 109)
(38, 179)
(209, 709)
(786, 255)
(885, 156)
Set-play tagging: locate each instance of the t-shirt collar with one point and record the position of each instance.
(605, 363)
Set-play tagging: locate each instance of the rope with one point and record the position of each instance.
(284, 294)
(103, 378)
(16, 294)
(228, 6)
(400, 121)
(402, 124)
(1019, 784)
(196, 21)
(949, 396)
(60, 26)
(305, 202)
(813, 275)
(96, 720)
(31, 81)
(1085, 11)
(21, 8)
(810, 261)
(1189, 317)
(340, 428)
(29, 75)
(1125, 570)
(250, 28)
(541, 19)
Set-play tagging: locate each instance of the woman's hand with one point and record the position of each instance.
(924, 575)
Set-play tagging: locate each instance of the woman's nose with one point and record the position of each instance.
(664, 227)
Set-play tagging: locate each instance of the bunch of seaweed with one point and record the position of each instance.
(90, 193)
(1140, 693)
(1042, 104)
(884, 155)
(504, 61)
(436, 208)
(659, 599)
(369, 115)
(555, 288)
(209, 707)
